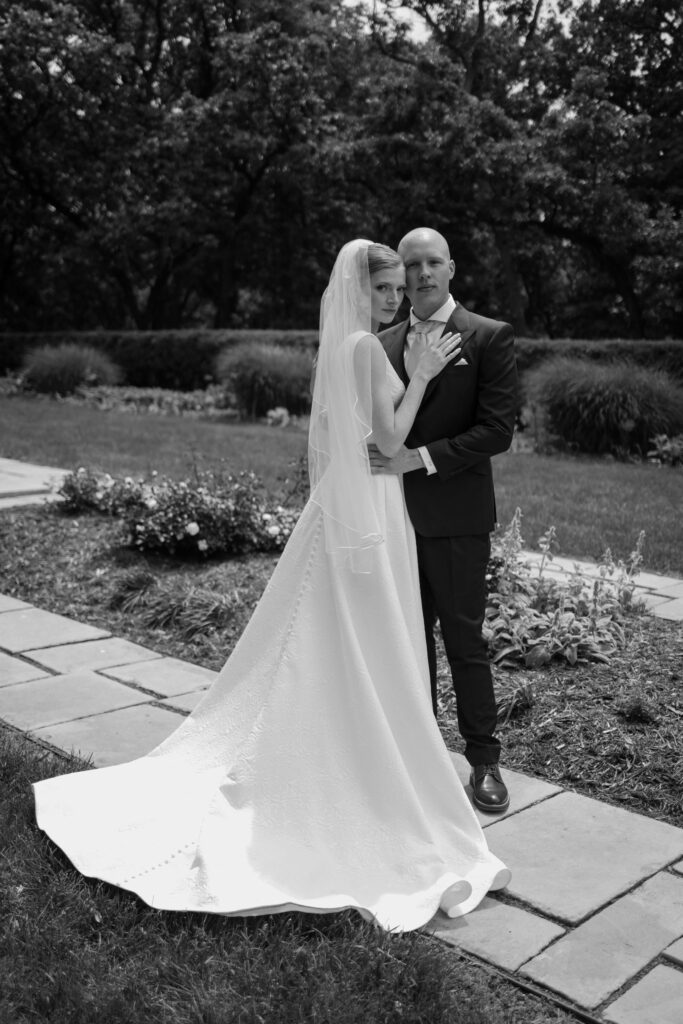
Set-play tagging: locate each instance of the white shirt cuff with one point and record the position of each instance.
(427, 459)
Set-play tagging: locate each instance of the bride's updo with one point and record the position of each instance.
(381, 257)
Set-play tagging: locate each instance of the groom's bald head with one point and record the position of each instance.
(423, 236)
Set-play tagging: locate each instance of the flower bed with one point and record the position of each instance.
(209, 515)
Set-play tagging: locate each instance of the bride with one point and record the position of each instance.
(312, 776)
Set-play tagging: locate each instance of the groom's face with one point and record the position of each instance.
(429, 271)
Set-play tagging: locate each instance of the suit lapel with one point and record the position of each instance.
(459, 321)
(394, 340)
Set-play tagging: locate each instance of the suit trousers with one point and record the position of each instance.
(453, 588)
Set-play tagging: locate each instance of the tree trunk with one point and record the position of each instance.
(516, 299)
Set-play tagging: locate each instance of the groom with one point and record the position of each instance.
(467, 415)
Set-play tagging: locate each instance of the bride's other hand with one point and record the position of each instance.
(438, 354)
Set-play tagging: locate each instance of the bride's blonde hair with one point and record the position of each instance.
(381, 257)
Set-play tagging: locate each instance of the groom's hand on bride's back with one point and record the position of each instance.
(405, 460)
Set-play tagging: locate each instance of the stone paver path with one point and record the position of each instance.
(593, 916)
(22, 483)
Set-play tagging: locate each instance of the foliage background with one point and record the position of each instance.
(183, 163)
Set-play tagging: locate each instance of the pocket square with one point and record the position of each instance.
(461, 362)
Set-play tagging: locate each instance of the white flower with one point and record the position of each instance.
(266, 516)
(128, 480)
(151, 503)
(202, 545)
(192, 529)
(273, 531)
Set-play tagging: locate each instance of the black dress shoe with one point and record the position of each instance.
(489, 792)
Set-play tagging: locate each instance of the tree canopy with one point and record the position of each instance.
(166, 163)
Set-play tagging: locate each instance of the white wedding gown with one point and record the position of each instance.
(312, 776)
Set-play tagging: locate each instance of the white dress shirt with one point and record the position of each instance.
(438, 321)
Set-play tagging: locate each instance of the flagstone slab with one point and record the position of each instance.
(165, 676)
(672, 610)
(596, 959)
(29, 629)
(524, 790)
(655, 999)
(671, 590)
(54, 699)
(653, 581)
(501, 934)
(570, 855)
(116, 736)
(14, 670)
(20, 478)
(94, 654)
(651, 599)
(11, 604)
(28, 499)
(675, 952)
(185, 701)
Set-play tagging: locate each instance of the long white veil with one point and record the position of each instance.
(341, 416)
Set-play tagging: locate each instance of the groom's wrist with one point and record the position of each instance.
(425, 460)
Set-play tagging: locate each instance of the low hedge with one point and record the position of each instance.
(664, 354)
(185, 360)
(180, 360)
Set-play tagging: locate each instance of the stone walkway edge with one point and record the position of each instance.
(593, 916)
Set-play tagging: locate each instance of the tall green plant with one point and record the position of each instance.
(597, 409)
(263, 377)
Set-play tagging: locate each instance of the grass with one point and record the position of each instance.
(74, 950)
(53, 433)
(593, 503)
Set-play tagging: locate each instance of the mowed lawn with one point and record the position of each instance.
(593, 503)
(55, 433)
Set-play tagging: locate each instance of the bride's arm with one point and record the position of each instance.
(390, 426)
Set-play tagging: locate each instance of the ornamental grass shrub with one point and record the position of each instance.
(263, 376)
(61, 370)
(598, 409)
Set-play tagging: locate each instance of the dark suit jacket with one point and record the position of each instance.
(466, 416)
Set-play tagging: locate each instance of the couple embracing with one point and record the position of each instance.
(312, 776)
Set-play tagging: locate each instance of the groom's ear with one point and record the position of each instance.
(451, 267)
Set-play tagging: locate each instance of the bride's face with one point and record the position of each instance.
(387, 288)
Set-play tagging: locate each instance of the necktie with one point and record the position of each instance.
(417, 341)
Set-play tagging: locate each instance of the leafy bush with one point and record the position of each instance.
(87, 491)
(533, 618)
(59, 371)
(667, 451)
(598, 409)
(209, 515)
(265, 376)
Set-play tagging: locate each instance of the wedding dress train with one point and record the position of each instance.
(312, 776)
